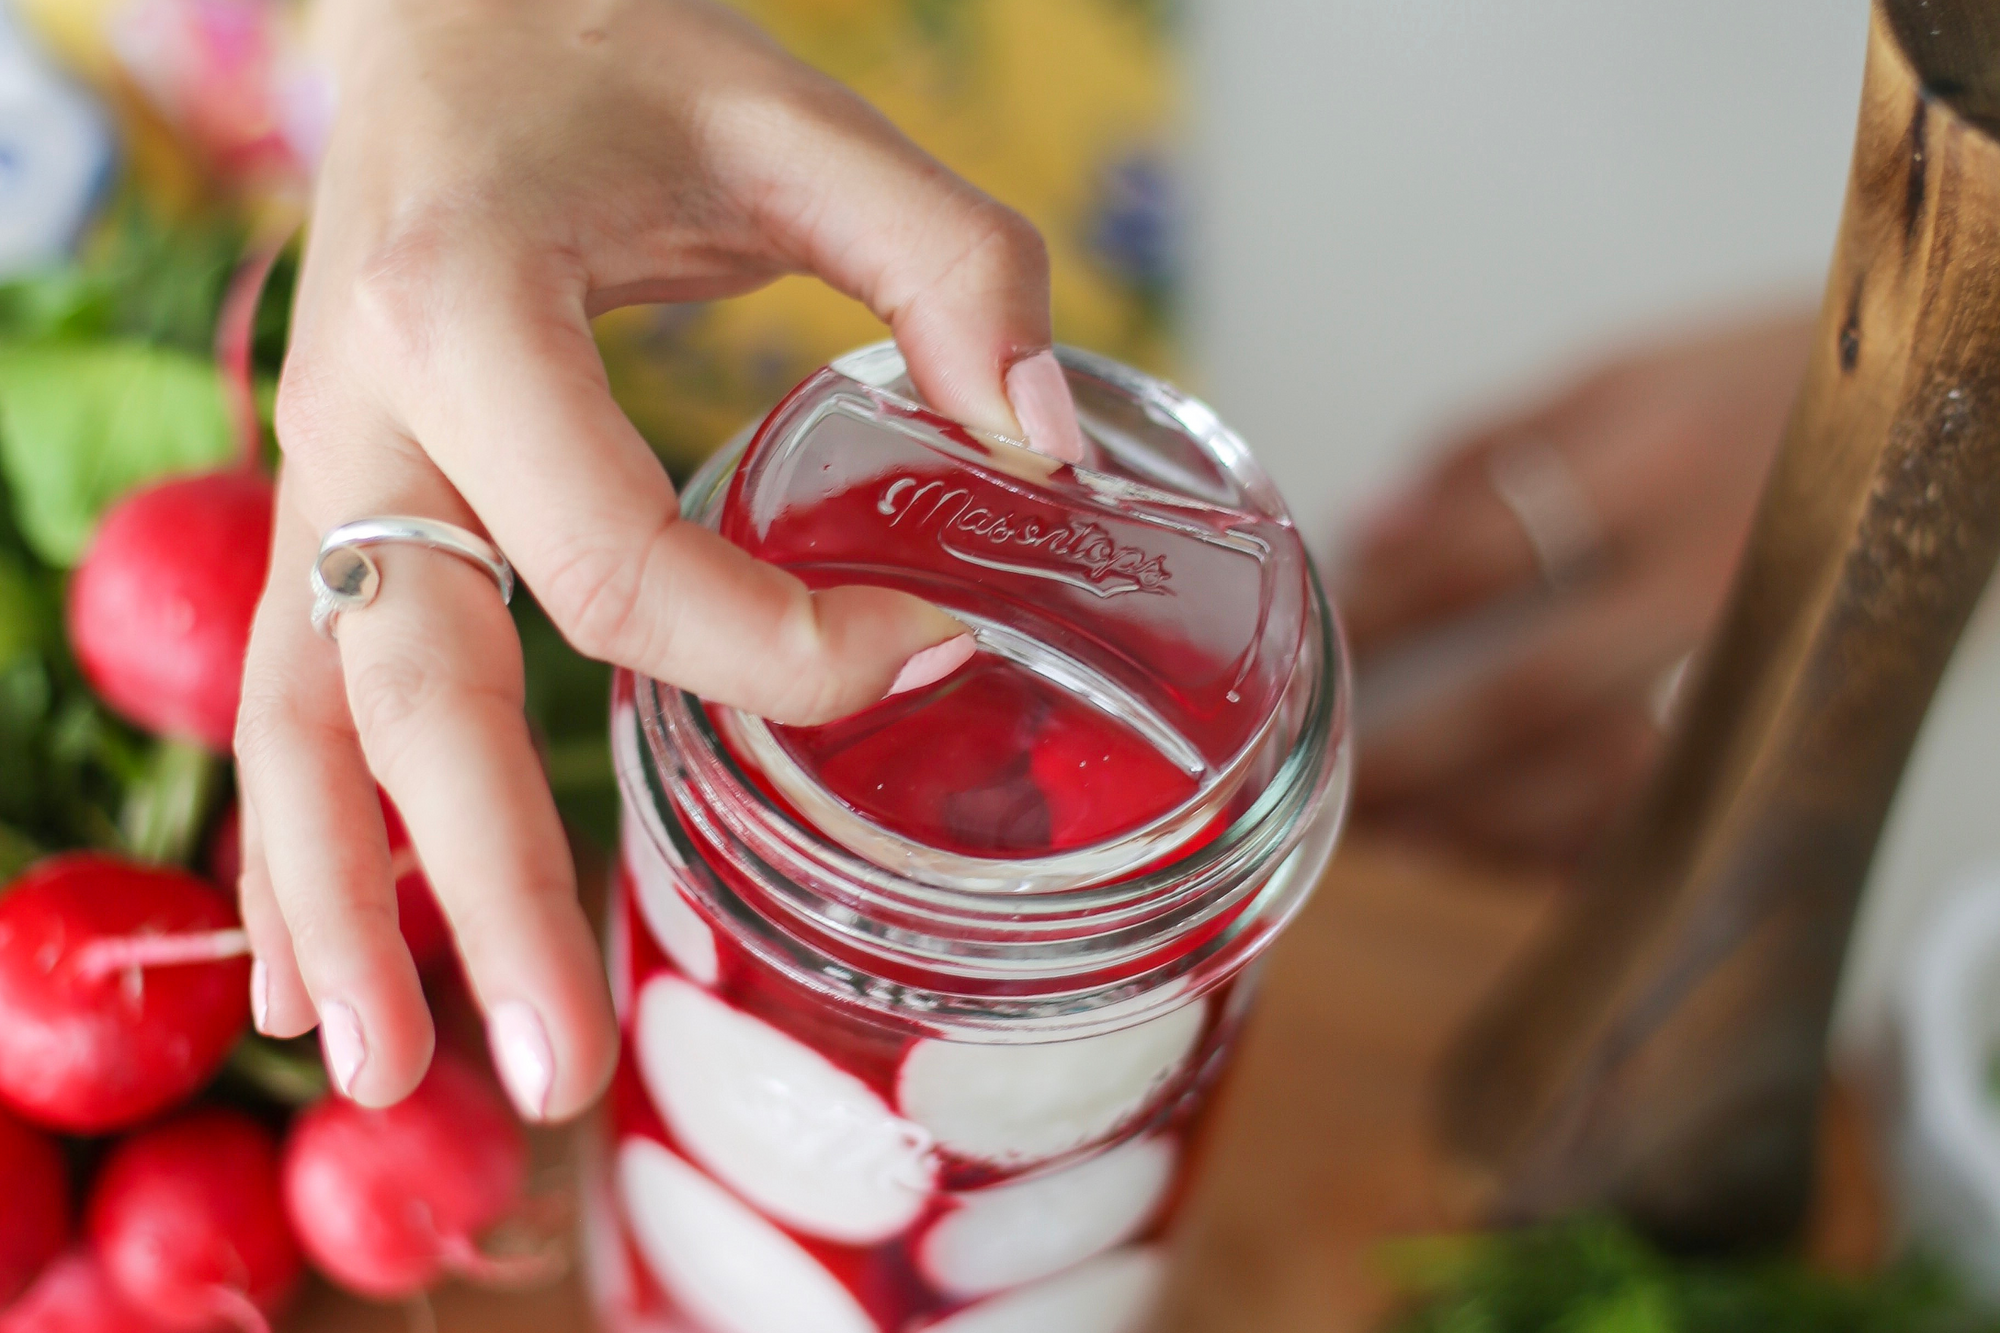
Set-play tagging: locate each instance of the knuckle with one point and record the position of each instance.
(396, 295)
(812, 692)
(1018, 240)
(1001, 247)
(375, 914)
(992, 250)
(594, 591)
(389, 695)
(270, 723)
(329, 928)
(802, 105)
(261, 730)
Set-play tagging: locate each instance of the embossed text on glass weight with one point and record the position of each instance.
(1069, 550)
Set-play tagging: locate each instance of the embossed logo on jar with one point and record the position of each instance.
(1069, 550)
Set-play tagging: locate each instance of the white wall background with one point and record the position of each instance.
(1404, 206)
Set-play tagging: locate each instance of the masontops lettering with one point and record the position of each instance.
(1073, 551)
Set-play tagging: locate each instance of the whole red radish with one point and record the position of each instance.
(387, 1202)
(73, 1295)
(122, 988)
(189, 1223)
(34, 1205)
(422, 921)
(160, 607)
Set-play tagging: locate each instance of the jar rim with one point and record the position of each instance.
(995, 951)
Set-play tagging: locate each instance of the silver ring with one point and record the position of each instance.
(1538, 485)
(346, 578)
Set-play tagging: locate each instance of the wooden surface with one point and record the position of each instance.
(1324, 1147)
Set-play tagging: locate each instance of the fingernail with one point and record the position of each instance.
(260, 996)
(521, 1050)
(340, 1037)
(932, 665)
(1039, 393)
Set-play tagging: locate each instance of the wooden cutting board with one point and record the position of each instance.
(1322, 1150)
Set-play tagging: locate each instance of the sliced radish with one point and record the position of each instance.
(1027, 1230)
(673, 921)
(729, 1268)
(1114, 1294)
(1016, 1104)
(802, 1139)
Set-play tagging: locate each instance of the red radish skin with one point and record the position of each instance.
(189, 1223)
(74, 1295)
(122, 989)
(387, 1202)
(34, 1217)
(160, 607)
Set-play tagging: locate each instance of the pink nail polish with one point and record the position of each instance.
(340, 1038)
(521, 1051)
(933, 664)
(260, 996)
(1039, 393)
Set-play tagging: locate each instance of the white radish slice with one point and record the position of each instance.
(1028, 1103)
(606, 1271)
(729, 1268)
(1026, 1230)
(778, 1122)
(1113, 1294)
(672, 919)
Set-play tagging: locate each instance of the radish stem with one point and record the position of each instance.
(165, 807)
(235, 331)
(289, 1073)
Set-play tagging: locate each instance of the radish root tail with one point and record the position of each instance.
(420, 1314)
(465, 1259)
(238, 1310)
(103, 958)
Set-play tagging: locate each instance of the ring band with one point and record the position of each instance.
(1538, 485)
(346, 578)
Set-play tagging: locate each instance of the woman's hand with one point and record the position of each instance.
(1642, 478)
(498, 171)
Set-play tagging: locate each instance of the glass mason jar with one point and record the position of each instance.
(923, 1009)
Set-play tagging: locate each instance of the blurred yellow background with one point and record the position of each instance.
(1063, 109)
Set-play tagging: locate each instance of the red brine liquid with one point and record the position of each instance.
(993, 761)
